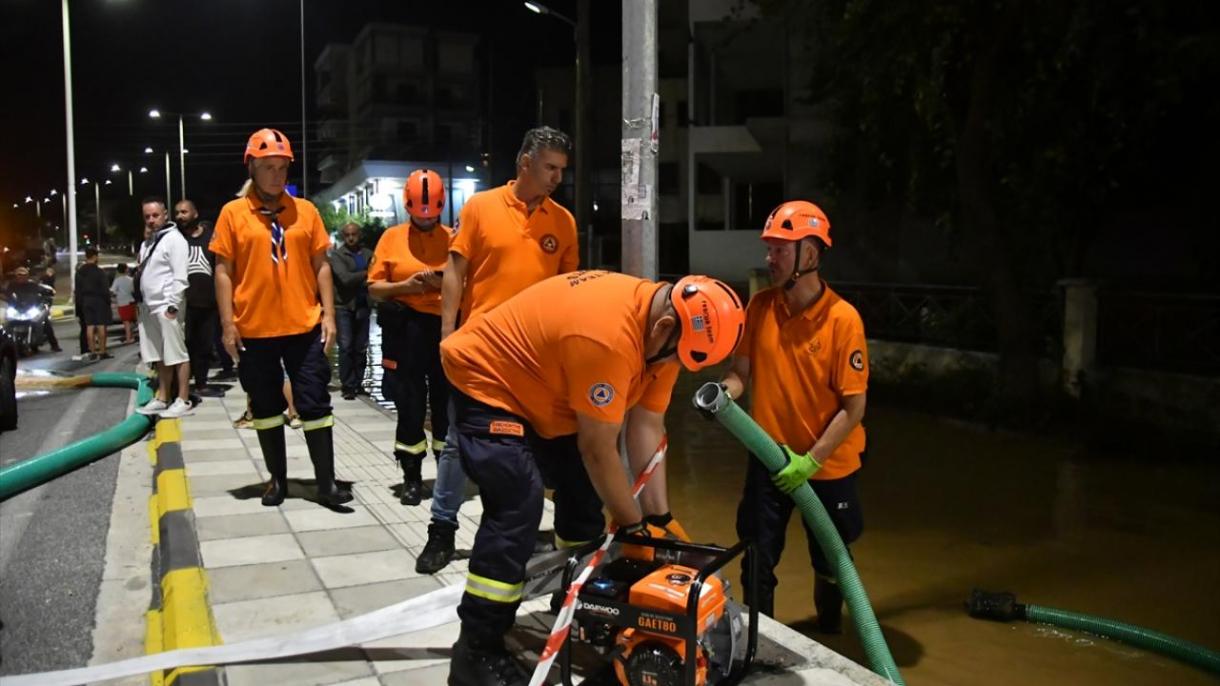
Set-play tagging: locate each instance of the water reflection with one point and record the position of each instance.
(949, 506)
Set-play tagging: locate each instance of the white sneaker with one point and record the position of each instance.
(180, 408)
(154, 406)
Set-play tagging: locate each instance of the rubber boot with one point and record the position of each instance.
(322, 454)
(275, 456)
(483, 661)
(438, 551)
(829, 603)
(412, 482)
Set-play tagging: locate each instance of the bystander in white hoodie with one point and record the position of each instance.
(163, 265)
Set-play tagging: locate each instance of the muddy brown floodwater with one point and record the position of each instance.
(950, 506)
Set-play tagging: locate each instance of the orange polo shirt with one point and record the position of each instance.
(404, 251)
(508, 249)
(571, 344)
(800, 367)
(271, 299)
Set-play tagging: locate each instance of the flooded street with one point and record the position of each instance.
(949, 507)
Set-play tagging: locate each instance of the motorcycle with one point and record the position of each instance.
(29, 315)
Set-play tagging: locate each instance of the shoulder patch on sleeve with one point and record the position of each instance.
(601, 394)
(857, 360)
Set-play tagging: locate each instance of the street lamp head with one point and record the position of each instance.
(469, 169)
(114, 167)
(206, 116)
(107, 182)
(84, 181)
(28, 199)
(536, 8)
(53, 191)
(155, 114)
(143, 170)
(148, 150)
(185, 151)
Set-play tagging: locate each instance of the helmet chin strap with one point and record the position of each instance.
(797, 273)
(670, 347)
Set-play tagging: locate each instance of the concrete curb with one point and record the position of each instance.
(179, 615)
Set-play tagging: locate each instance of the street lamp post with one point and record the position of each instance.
(70, 208)
(156, 114)
(584, 72)
(97, 202)
(149, 151)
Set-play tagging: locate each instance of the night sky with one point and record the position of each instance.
(239, 60)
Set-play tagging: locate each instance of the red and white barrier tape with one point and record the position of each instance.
(563, 622)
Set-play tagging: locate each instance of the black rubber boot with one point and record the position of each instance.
(322, 454)
(275, 456)
(412, 482)
(484, 662)
(438, 551)
(829, 602)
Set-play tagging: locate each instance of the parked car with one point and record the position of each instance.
(8, 380)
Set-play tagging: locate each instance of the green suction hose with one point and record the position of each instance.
(24, 475)
(712, 398)
(1004, 607)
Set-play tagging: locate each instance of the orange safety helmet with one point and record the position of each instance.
(267, 143)
(797, 219)
(424, 194)
(711, 320)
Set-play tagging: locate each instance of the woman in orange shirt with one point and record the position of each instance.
(406, 274)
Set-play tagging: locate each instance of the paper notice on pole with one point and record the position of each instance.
(654, 135)
(631, 162)
(637, 202)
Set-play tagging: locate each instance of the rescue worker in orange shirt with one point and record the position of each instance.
(805, 360)
(507, 239)
(271, 267)
(542, 386)
(406, 273)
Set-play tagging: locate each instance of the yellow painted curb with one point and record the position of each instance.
(154, 519)
(168, 431)
(152, 642)
(185, 616)
(184, 619)
(172, 493)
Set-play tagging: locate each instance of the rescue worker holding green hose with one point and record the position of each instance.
(805, 359)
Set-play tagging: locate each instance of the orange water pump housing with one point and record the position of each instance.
(667, 590)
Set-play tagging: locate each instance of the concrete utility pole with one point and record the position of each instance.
(70, 191)
(641, 106)
(584, 74)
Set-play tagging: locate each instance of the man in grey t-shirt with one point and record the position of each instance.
(123, 291)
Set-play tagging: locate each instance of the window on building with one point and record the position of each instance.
(708, 180)
(386, 49)
(668, 178)
(412, 56)
(455, 58)
(761, 102)
(752, 202)
(407, 93)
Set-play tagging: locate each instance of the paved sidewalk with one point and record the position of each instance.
(274, 570)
